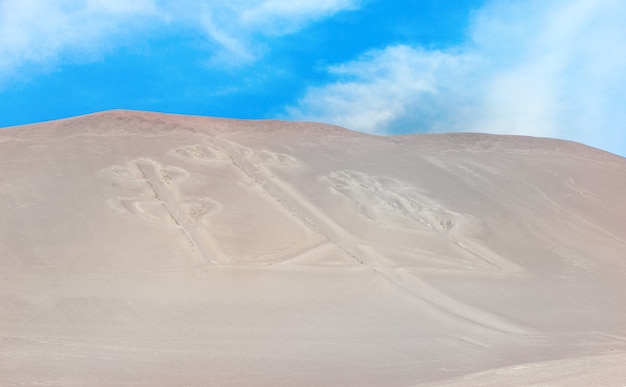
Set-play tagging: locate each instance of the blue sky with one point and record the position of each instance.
(553, 68)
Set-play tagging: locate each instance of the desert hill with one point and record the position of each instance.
(144, 248)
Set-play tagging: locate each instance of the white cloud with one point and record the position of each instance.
(38, 32)
(44, 33)
(381, 88)
(280, 17)
(236, 25)
(545, 68)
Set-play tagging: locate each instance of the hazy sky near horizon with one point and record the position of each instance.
(553, 68)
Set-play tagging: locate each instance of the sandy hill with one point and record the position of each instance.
(152, 249)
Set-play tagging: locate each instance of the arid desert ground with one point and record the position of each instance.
(151, 249)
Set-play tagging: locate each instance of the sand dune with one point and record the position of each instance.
(151, 249)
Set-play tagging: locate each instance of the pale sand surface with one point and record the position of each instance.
(150, 249)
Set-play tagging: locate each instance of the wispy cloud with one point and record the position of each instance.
(546, 68)
(41, 34)
(384, 89)
(279, 17)
(238, 28)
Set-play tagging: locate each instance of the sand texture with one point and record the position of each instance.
(158, 250)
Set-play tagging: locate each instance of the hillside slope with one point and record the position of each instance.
(149, 249)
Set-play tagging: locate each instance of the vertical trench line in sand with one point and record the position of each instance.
(170, 201)
(299, 208)
(315, 219)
